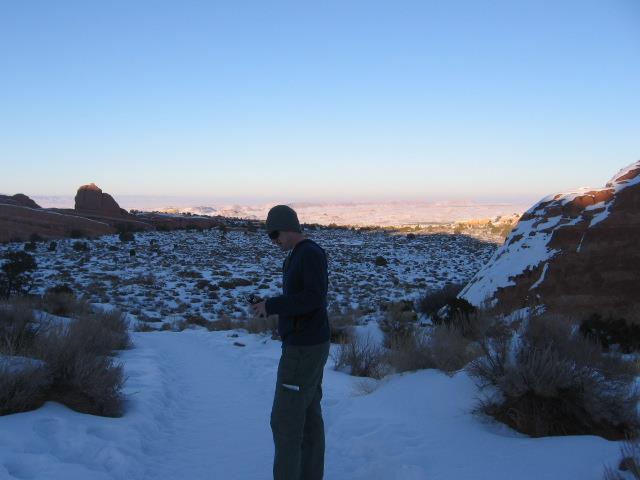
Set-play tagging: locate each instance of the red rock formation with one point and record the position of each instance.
(18, 199)
(19, 223)
(575, 253)
(91, 200)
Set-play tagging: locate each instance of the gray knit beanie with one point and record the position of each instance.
(283, 218)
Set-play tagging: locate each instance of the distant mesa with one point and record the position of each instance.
(90, 199)
(572, 253)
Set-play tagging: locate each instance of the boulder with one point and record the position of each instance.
(91, 200)
(573, 253)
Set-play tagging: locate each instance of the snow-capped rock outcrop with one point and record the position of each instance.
(575, 253)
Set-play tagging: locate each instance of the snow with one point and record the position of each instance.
(198, 408)
(525, 248)
(541, 279)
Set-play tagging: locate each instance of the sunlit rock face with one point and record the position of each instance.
(575, 253)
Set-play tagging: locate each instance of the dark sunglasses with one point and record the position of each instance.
(275, 234)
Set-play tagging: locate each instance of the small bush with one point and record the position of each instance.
(234, 282)
(22, 389)
(380, 261)
(18, 327)
(443, 348)
(342, 324)
(126, 236)
(84, 377)
(16, 273)
(89, 384)
(77, 369)
(52, 246)
(261, 325)
(362, 357)
(223, 323)
(30, 247)
(552, 381)
(80, 246)
(398, 323)
(60, 300)
(612, 331)
(35, 237)
(433, 300)
(198, 320)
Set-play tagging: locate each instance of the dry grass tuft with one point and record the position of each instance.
(362, 357)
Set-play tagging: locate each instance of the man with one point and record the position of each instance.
(303, 325)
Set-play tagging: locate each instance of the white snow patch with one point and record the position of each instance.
(541, 279)
(198, 408)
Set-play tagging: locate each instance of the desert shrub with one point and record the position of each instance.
(24, 388)
(83, 381)
(198, 320)
(18, 327)
(612, 331)
(234, 282)
(256, 324)
(144, 327)
(629, 464)
(442, 347)
(84, 376)
(16, 273)
(203, 284)
(80, 246)
(126, 236)
(553, 381)
(342, 323)
(410, 352)
(399, 321)
(380, 261)
(361, 356)
(189, 274)
(60, 300)
(443, 306)
(101, 333)
(76, 368)
(35, 237)
(223, 323)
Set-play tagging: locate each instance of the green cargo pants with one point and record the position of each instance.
(296, 416)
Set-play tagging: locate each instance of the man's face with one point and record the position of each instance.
(284, 240)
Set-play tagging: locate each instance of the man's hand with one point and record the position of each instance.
(259, 309)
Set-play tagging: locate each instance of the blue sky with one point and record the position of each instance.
(312, 100)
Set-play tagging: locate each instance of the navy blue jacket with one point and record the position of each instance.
(302, 307)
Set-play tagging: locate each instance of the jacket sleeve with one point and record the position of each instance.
(314, 277)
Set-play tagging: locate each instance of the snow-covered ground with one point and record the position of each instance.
(186, 273)
(198, 408)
